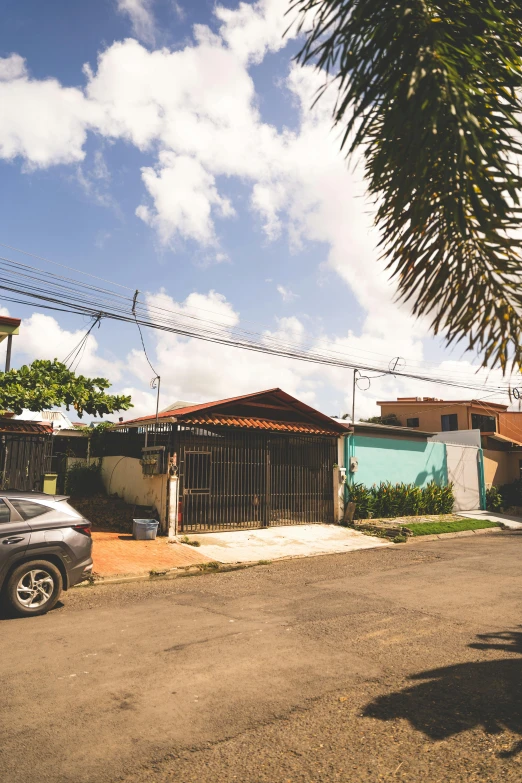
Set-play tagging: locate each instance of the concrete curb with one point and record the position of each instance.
(459, 534)
(174, 573)
(195, 570)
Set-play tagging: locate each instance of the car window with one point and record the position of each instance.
(5, 512)
(28, 509)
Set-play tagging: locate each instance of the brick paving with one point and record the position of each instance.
(118, 554)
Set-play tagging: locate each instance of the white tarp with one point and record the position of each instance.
(463, 473)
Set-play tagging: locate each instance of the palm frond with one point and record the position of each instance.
(430, 92)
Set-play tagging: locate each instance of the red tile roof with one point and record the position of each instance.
(201, 406)
(292, 402)
(23, 426)
(256, 424)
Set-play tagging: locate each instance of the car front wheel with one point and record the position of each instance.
(33, 588)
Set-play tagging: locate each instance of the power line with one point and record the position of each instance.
(70, 287)
(421, 363)
(66, 294)
(71, 356)
(64, 266)
(215, 337)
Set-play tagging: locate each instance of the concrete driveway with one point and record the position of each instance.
(275, 543)
(398, 663)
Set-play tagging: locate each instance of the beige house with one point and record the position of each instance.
(500, 429)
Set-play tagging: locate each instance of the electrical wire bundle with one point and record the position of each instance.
(30, 285)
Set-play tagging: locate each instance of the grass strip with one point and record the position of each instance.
(433, 528)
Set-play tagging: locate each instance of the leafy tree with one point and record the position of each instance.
(47, 384)
(391, 419)
(429, 93)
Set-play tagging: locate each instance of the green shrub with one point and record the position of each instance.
(400, 500)
(494, 501)
(84, 480)
(511, 494)
(364, 501)
(99, 435)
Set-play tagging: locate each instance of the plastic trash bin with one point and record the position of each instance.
(144, 529)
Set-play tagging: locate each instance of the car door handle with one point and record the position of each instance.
(14, 540)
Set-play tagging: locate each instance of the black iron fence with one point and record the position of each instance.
(243, 479)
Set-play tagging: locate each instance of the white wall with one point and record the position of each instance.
(70, 461)
(123, 476)
(463, 472)
(459, 437)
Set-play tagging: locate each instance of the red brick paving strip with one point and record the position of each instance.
(119, 554)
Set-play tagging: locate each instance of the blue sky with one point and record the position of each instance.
(171, 147)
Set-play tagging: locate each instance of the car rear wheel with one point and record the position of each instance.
(33, 588)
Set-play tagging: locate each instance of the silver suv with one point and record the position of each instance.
(45, 546)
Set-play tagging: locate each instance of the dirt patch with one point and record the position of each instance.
(111, 513)
(395, 521)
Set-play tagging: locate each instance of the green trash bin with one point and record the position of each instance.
(49, 483)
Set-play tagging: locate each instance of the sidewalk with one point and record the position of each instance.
(118, 554)
(514, 523)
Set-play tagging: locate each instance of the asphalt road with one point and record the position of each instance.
(402, 663)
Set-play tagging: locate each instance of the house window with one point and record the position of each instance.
(412, 422)
(483, 423)
(449, 422)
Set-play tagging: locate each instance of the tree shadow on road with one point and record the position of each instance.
(453, 699)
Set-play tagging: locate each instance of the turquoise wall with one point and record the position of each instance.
(396, 460)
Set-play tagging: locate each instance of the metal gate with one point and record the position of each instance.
(23, 460)
(232, 480)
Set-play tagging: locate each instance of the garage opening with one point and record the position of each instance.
(236, 480)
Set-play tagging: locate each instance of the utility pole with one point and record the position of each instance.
(156, 384)
(353, 396)
(8, 352)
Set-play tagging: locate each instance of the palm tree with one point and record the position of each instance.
(429, 93)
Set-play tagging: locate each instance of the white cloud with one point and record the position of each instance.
(178, 10)
(144, 403)
(289, 330)
(286, 294)
(95, 181)
(268, 201)
(141, 17)
(185, 196)
(12, 67)
(211, 307)
(41, 121)
(253, 29)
